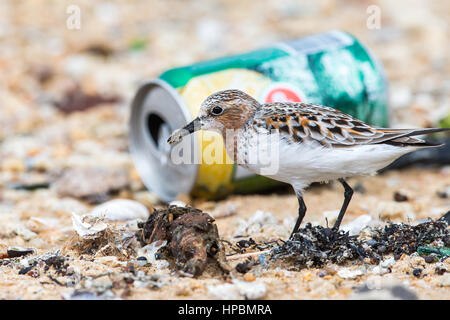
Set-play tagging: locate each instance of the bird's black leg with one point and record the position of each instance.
(301, 214)
(348, 196)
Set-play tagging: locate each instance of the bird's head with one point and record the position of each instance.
(228, 109)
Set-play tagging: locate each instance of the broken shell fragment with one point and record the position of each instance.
(149, 252)
(87, 226)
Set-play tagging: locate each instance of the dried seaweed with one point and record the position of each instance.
(316, 246)
(402, 238)
(109, 242)
(43, 263)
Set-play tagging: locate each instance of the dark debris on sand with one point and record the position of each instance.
(314, 246)
(191, 235)
(400, 238)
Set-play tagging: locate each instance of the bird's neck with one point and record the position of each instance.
(230, 140)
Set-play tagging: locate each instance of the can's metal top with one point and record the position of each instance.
(157, 110)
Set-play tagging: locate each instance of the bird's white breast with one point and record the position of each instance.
(302, 163)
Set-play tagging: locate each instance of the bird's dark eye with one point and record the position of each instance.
(216, 111)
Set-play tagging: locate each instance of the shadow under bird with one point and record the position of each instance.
(314, 143)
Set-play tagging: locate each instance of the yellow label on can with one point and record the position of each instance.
(217, 178)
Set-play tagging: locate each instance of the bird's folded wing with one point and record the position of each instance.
(306, 122)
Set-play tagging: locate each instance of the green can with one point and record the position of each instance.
(332, 69)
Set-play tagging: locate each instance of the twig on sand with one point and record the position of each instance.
(245, 255)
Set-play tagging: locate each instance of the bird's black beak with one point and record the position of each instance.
(191, 127)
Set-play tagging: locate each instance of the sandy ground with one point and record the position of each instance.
(52, 159)
(280, 282)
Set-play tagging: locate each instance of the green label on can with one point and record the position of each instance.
(331, 69)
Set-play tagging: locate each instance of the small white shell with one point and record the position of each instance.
(354, 227)
(120, 209)
(177, 203)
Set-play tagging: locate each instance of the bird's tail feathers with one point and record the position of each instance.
(409, 139)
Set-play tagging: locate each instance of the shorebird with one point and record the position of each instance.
(315, 143)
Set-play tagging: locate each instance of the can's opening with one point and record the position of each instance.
(157, 109)
(155, 127)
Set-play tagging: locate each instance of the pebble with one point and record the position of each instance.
(440, 270)
(225, 291)
(444, 194)
(354, 228)
(379, 270)
(345, 273)
(390, 292)
(251, 290)
(262, 258)
(256, 223)
(13, 164)
(238, 290)
(70, 270)
(243, 267)
(147, 198)
(417, 272)
(223, 210)
(444, 281)
(110, 261)
(388, 262)
(249, 277)
(177, 203)
(389, 210)
(322, 273)
(400, 197)
(14, 252)
(24, 263)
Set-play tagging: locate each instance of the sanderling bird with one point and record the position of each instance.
(315, 143)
